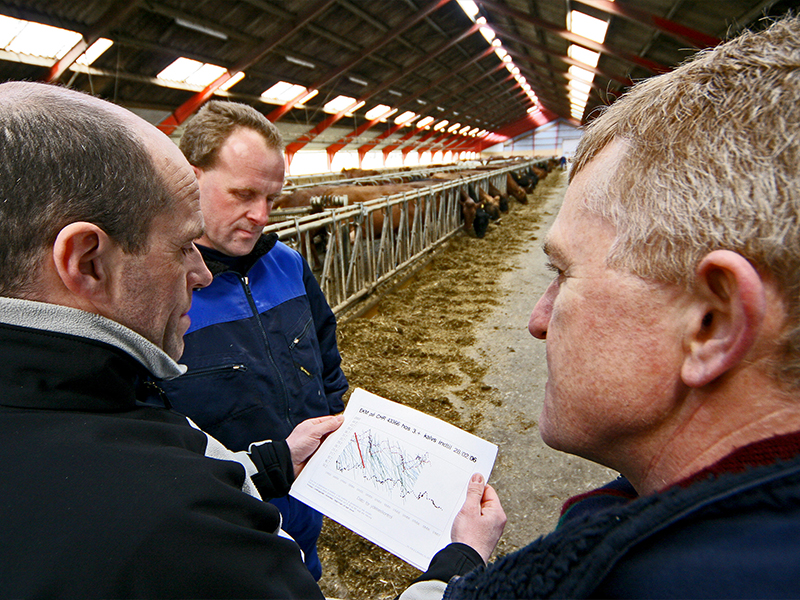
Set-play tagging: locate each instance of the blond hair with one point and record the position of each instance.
(710, 160)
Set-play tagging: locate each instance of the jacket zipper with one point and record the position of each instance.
(248, 292)
(214, 369)
(300, 337)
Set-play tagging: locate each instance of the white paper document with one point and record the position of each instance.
(394, 475)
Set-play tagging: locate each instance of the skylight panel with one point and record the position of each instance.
(589, 27)
(581, 74)
(35, 39)
(338, 104)
(377, 111)
(580, 86)
(180, 69)
(404, 117)
(206, 74)
(283, 91)
(9, 29)
(469, 7)
(583, 55)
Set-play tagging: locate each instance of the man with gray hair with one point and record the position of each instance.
(672, 328)
(106, 493)
(261, 350)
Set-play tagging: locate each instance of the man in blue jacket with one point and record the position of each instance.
(261, 349)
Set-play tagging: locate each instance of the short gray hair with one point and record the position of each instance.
(64, 159)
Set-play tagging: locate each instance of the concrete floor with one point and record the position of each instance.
(532, 480)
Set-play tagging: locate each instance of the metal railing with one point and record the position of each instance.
(356, 248)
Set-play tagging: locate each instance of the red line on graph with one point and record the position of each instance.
(355, 435)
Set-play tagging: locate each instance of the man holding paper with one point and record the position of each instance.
(673, 342)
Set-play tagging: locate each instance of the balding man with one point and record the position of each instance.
(106, 493)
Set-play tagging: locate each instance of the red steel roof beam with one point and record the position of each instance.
(683, 33)
(650, 65)
(313, 133)
(115, 13)
(342, 142)
(331, 75)
(185, 110)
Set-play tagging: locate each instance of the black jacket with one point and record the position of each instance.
(105, 496)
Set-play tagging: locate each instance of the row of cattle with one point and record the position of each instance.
(480, 204)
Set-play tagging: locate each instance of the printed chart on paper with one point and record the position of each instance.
(394, 475)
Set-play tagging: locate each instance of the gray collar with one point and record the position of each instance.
(71, 321)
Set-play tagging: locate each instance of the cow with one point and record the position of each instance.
(503, 198)
(516, 191)
(475, 218)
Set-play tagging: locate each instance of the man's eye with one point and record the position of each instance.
(188, 249)
(551, 267)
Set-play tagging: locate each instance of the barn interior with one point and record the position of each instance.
(370, 84)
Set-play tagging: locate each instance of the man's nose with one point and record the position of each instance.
(259, 212)
(199, 275)
(540, 317)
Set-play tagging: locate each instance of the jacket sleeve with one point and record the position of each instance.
(451, 561)
(333, 377)
(275, 472)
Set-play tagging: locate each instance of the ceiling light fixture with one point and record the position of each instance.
(201, 29)
(301, 62)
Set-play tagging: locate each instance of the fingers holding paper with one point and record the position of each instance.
(307, 436)
(481, 520)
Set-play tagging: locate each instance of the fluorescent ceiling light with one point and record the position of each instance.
(464, 130)
(201, 28)
(453, 127)
(353, 109)
(232, 81)
(357, 80)
(586, 26)
(580, 86)
(583, 55)
(474, 131)
(385, 117)
(581, 74)
(377, 111)
(501, 53)
(395, 93)
(301, 62)
(469, 8)
(507, 60)
(425, 122)
(422, 102)
(533, 109)
(440, 125)
(405, 117)
(497, 43)
(94, 52)
(283, 91)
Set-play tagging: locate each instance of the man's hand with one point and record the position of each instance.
(481, 520)
(307, 436)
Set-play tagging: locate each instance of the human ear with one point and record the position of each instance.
(725, 318)
(80, 254)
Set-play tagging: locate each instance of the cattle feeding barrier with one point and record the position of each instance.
(357, 248)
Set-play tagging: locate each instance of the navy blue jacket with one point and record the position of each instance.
(733, 531)
(261, 349)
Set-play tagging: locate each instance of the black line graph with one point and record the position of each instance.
(385, 463)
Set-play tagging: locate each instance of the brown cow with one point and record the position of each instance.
(515, 190)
